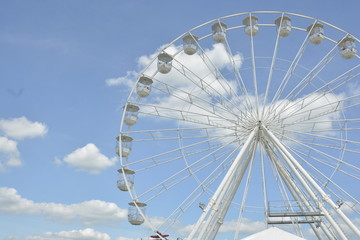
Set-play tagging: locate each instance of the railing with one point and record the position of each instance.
(292, 212)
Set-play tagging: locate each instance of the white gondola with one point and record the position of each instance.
(316, 35)
(134, 215)
(143, 87)
(164, 63)
(126, 176)
(126, 143)
(190, 44)
(251, 25)
(131, 113)
(283, 24)
(219, 31)
(347, 48)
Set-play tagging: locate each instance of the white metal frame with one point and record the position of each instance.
(251, 138)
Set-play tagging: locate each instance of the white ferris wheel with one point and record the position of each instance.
(248, 118)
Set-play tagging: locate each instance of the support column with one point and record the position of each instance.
(296, 192)
(296, 167)
(212, 207)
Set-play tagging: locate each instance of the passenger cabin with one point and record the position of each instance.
(190, 44)
(347, 48)
(316, 33)
(131, 112)
(251, 25)
(143, 86)
(164, 63)
(283, 25)
(219, 30)
(134, 215)
(126, 179)
(126, 144)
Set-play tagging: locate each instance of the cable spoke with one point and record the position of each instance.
(291, 70)
(203, 186)
(187, 172)
(207, 87)
(336, 160)
(327, 179)
(155, 162)
(273, 60)
(193, 99)
(185, 115)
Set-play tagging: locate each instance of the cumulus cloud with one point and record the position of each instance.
(127, 80)
(203, 77)
(88, 159)
(17, 129)
(9, 154)
(350, 207)
(91, 212)
(84, 234)
(205, 67)
(212, 76)
(246, 226)
(217, 55)
(20, 128)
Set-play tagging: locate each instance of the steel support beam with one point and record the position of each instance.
(302, 174)
(212, 208)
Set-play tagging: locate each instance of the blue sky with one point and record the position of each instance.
(59, 118)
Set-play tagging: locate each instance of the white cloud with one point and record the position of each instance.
(301, 113)
(220, 58)
(88, 159)
(57, 161)
(314, 107)
(350, 207)
(246, 226)
(128, 80)
(91, 212)
(20, 128)
(348, 231)
(9, 154)
(217, 55)
(84, 234)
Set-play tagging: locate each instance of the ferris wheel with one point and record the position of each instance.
(251, 118)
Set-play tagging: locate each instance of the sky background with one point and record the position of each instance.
(59, 118)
